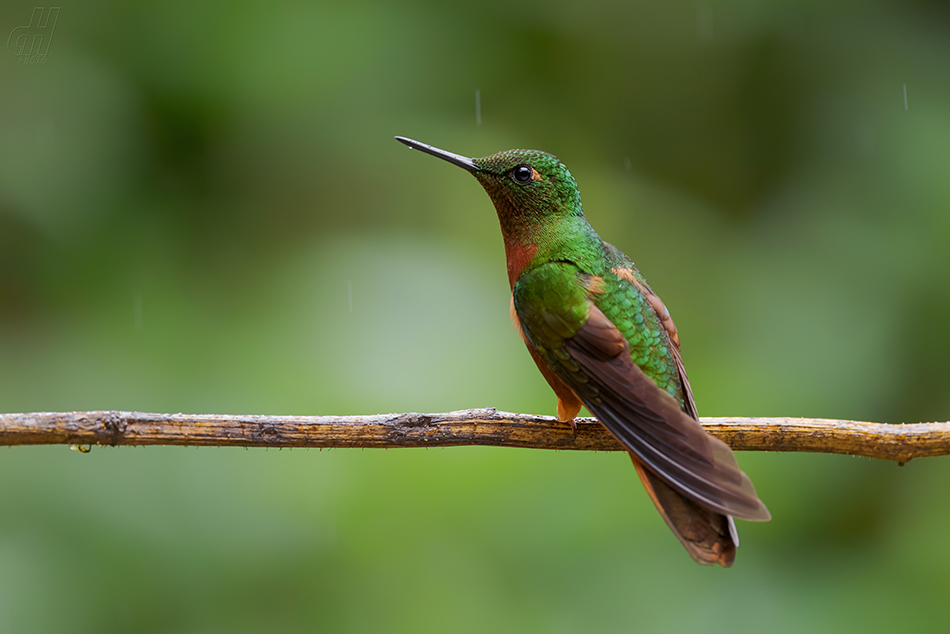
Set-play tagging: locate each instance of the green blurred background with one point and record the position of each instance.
(188, 194)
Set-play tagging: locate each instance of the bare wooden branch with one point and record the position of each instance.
(467, 427)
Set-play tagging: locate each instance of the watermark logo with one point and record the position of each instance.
(31, 43)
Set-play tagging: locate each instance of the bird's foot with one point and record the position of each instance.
(571, 421)
(566, 413)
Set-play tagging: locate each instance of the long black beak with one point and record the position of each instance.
(455, 159)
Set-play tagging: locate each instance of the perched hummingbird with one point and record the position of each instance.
(602, 338)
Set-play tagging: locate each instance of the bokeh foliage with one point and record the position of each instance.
(202, 209)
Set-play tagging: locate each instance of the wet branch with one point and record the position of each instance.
(486, 427)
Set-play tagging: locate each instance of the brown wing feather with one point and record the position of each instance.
(706, 534)
(709, 537)
(673, 340)
(668, 441)
(687, 389)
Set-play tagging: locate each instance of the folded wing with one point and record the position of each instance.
(651, 423)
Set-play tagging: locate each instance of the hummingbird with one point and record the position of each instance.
(603, 339)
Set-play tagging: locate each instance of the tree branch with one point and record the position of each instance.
(467, 427)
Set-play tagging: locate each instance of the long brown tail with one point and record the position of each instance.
(710, 538)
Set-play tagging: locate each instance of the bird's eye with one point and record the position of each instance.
(522, 173)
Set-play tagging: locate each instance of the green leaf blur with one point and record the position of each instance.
(202, 209)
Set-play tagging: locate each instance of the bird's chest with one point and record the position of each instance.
(518, 256)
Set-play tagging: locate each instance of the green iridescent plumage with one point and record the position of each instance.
(601, 337)
(568, 287)
(552, 218)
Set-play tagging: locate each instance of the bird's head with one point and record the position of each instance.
(530, 188)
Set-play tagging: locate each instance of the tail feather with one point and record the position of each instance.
(709, 537)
